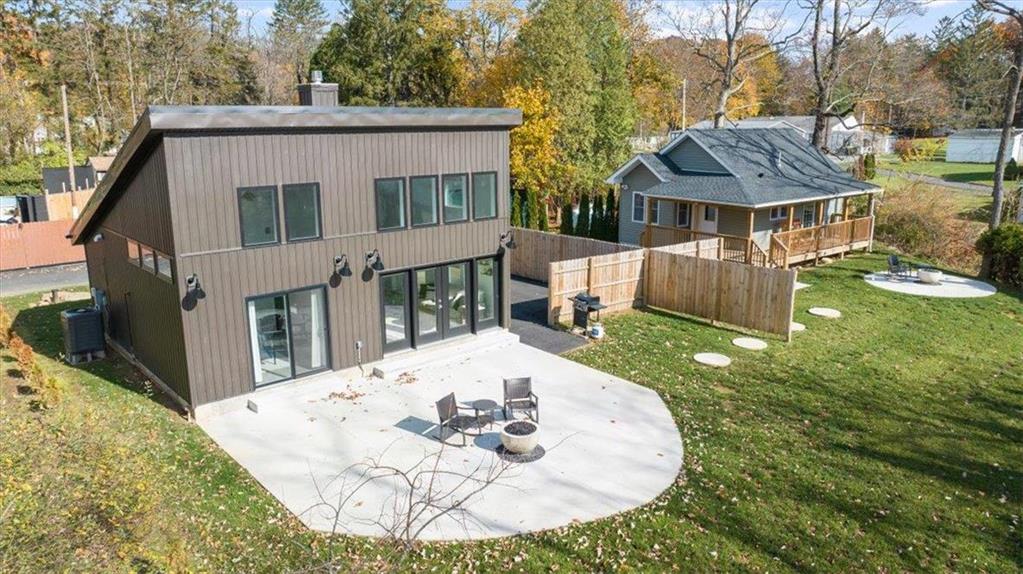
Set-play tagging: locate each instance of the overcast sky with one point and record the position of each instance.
(260, 11)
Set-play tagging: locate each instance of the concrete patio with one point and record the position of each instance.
(611, 445)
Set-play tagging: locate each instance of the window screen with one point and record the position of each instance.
(455, 198)
(424, 200)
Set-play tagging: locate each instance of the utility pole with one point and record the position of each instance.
(67, 145)
(684, 82)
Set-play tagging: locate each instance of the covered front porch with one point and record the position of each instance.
(769, 236)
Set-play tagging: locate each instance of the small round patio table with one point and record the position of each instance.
(485, 411)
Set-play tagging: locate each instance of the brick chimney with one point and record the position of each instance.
(316, 93)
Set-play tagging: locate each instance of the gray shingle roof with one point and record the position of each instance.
(767, 166)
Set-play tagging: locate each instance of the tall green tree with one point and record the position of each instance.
(611, 215)
(598, 230)
(294, 31)
(582, 224)
(516, 209)
(567, 226)
(392, 52)
(532, 211)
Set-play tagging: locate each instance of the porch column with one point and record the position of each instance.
(649, 206)
(845, 209)
(820, 213)
(870, 212)
(792, 216)
(749, 238)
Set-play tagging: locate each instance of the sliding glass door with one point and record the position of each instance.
(288, 335)
(394, 311)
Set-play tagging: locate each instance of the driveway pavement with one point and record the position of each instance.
(610, 445)
(529, 319)
(20, 281)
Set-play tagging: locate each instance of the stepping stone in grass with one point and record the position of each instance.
(825, 312)
(712, 359)
(749, 343)
(801, 285)
(796, 327)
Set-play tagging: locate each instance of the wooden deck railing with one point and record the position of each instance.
(812, 242)
(732, 248)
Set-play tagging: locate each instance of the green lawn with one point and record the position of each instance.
(888, 440)
(979, 173)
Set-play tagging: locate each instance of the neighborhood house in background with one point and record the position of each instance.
(845, 136)
(243, 246)
(981, 146)
(744, 184)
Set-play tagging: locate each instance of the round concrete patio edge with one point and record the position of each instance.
(601, 459)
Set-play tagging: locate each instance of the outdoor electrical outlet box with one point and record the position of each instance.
(358, 344)
(253, 407)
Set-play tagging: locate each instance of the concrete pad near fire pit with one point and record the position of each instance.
(610, 445)
(951, 286)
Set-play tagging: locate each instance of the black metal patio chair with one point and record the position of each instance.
(451, 419)
(518, 394)
(898, 268)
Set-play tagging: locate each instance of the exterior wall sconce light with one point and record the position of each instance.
(507, 240)
(192, 283)
(97, 238)
(341, 267)
(373, 260)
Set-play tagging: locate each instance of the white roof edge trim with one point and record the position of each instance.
(630, 165)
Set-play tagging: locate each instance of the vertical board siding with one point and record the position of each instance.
(155, 322)
(141, 212)
(204, 174)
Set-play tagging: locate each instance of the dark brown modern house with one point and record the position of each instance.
(238, 247)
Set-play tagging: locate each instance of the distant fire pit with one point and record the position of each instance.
(521, 438)
(929, 275)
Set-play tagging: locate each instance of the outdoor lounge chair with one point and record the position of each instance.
(451, 419)
(897, 268)
(518, 394)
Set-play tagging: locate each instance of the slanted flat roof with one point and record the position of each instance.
(157, 120)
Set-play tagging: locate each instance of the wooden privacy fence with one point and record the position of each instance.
(536, 250)
(616, 278)
(759, 298)
(691, 278)
(37, 244)
(58, 205)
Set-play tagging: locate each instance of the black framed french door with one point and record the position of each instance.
(429, 304)
(486, 293)
(289, 334)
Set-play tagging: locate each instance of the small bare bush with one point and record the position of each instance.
(5, 327)
(924, 221)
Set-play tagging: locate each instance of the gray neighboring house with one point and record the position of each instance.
(239, 247)
(845, 136)
(981, 146)
(741, 184)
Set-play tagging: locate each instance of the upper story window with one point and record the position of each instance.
(133, 252)
(148, 259)
(302, 211)
(484, 195)
(424, 200)
(164, 269)
(779, 213)
(638, 207)
(258, 209)
(682, 215)
(390, 199)
(455, 208)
